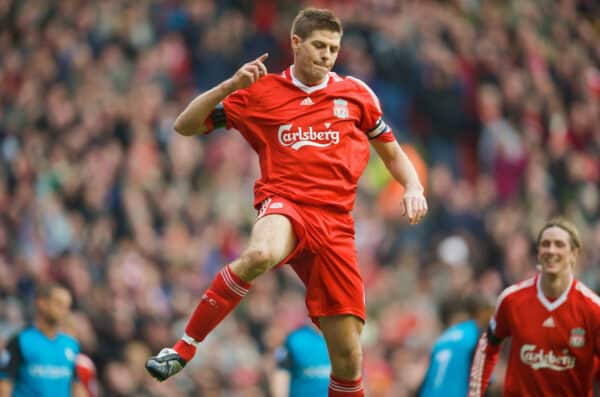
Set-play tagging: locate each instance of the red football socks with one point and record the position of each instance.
(185, 350)
(345, 388)
(223, 295)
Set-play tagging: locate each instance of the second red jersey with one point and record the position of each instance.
(312, 141)
(554, 344)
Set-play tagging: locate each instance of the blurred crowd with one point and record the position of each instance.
(500, 99)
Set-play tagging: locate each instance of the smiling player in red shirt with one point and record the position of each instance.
(311, 129)
(554, 322)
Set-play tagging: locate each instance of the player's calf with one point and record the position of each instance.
(223, 295)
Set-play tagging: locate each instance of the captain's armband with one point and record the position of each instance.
(493, 339)
(380, 128)
(216, 118)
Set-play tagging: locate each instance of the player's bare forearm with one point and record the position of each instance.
(77, 390)
(5, 388)
(192, 120)
(280, 383)
(400, 167)
(398, 164)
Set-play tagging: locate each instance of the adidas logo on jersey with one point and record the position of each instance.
(549, 322)
(306, 102)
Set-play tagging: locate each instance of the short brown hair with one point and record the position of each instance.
(311, 19)
(567, 226)
(45, 290)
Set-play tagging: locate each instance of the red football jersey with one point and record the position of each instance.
(312, 141)
(554, 344)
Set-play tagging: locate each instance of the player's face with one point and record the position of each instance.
(556, 256)
(55, 308)
(315, 56)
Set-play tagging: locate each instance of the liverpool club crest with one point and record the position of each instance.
(577, 338)
(340, 108)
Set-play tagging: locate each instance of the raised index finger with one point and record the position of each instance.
(259, 62)
(263, 57)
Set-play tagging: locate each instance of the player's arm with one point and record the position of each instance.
(484, 360)
(422, 384)
(488, 348)
(5, 388)
(204, 113)
(10, 361)
(77, 389)
(398, 164)
(85, 372)
(280, 381)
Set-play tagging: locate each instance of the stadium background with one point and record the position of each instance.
(499, 98)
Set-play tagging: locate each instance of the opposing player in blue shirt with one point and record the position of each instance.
(450, 363)
(303, 363)
(40, 361)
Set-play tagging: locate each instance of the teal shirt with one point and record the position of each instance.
(305, 356)
(450, 364)
(39, 366)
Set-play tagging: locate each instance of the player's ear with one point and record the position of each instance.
(296, 40)
(575, 255)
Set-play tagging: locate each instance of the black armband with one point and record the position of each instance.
(380, 128)
(11, 359)
(283, 358)
(493, 339)
(217, 116)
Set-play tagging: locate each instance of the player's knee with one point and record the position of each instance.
(347, 362)
(258, 261)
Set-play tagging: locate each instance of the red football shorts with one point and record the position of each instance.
(325, 258)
